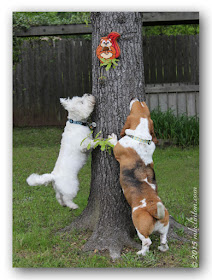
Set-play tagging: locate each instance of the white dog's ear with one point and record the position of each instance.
(64, 102)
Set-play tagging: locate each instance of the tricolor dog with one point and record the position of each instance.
(73, 153)
(134, 153)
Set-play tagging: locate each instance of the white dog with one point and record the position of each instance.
(73, 152)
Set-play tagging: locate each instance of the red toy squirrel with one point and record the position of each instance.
(108, 47)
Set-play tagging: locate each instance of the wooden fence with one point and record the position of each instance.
(180, 98)
(171, 59)
(49, 69)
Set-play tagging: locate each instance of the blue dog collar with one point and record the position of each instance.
(90, 125)
(77, 122)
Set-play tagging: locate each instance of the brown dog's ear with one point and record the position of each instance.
(155, 140)
(152, 132)
(126, 126)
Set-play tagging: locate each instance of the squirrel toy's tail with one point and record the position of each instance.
(35, 179)
(114, 36)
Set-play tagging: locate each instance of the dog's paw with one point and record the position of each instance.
(71, 205)
(74, 206)
(143, 252)
(128, 131)
(113, 139)
(163, 247)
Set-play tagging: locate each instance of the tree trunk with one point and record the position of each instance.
(107, 213)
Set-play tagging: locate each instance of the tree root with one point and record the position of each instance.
(113, 242)
(174, 226)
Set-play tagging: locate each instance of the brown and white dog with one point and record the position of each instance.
(134, 153)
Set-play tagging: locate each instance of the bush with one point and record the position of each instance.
(182, 130)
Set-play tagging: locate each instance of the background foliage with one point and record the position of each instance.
(26, 19)
(180, 130)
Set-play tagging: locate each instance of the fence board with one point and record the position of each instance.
(193, 58)
(197, 59)
(181, 103)
(172, 60)
(166, 51)
(197, 104)
(186, 58)
(159, 60)
(172, 102)
(148, 99)
(179, 58)
(146, 58)
(36, 72)
(153, 102)
(163, 102)
(152, 62)
(191, 104)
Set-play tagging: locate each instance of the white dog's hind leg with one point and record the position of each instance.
(59, 199)
(68, 202)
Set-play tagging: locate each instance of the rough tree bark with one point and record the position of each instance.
(107, 213)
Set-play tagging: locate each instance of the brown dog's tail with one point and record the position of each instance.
(160, 210)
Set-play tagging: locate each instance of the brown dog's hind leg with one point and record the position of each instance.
(144, 224)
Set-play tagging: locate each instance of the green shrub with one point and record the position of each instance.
(182, 130)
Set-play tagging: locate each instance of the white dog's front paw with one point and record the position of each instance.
(113, 139)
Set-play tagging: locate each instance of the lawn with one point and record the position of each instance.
(37, 216)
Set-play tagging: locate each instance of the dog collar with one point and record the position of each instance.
(140, 140)
(90, 125)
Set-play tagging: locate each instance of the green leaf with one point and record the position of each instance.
(116, 64)
(110, 145)
(104, 64)
(97, 144)
(89, 146)
(102, 147)
(108, 67)
(98, 134)
(86, 137)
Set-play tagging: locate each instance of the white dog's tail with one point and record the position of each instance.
(35, 179)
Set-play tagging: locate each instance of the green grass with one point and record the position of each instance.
(37, 216)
